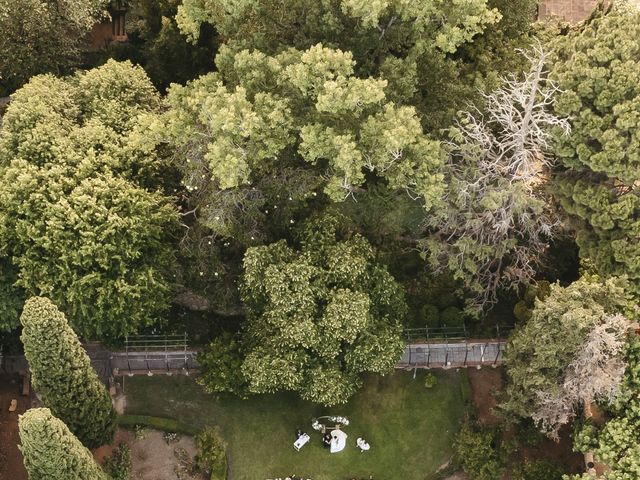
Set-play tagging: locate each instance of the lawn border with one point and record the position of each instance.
(158, 423)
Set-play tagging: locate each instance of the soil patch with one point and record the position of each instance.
(153, 458)
(11, 466)
(122, 436)
(458, 476)
(559, 452)
(485, 383)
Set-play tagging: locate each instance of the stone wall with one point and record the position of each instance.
(572, 11)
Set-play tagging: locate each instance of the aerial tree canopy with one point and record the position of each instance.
(51, 451)
(155, 43)
(318, 315)
(596, 70)
(419, 47)
(39, 36)
(545, 356)
(617, 442)
(262, 138)
(84, 218)
(11, 297)
(497, 222)
(373, 27)
(62, 373)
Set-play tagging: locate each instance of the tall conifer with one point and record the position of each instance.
(62, 373)
(52, 452)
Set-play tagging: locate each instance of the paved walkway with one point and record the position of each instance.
(433, 354)
(453, 354)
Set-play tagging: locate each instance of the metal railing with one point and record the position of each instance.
(156, 352)
(452, 355)
(454, 334)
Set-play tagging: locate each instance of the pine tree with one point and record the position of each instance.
(596, 69)
(52, 452)
(62, 373)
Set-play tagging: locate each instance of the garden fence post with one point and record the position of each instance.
(466, 353)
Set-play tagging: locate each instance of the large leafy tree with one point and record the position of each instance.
(617, 443)
(575, 333)
(318, 316)
(496, 223)
(371, 28)
(596, 69)
(62, 373)
(38, 36)
(84, 220)
(434, 54)
(51, 451)
(258, 139)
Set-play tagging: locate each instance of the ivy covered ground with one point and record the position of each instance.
(410, 428)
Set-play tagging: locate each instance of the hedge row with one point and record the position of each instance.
(164, 424)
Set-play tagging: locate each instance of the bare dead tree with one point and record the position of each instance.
(496, 224)
(595, 373)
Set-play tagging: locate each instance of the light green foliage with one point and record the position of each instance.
(270, 24)
(211, 453)
(51, 451)
(319, 316)
(38, 36)
(596, 68)
(82, 218)
(459, 21)
(297, 120)
(62, 373)
(434, 54)
(539, 352)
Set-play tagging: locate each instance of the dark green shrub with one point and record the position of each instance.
(118, 466)
(430, 380)
(431, 315)
(475, 450)
(220, 365)
(522, 311)
(446, 300)
(537, 470)
(211, 457)
(543, 289)
(452, 317)
(164, 424)
(529, 433)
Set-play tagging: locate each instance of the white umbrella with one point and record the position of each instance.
(338, 441)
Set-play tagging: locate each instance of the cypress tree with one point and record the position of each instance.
(52, 452)
(62, 373)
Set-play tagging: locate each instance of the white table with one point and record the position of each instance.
(301, 441)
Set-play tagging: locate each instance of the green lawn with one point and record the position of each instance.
(409, 428)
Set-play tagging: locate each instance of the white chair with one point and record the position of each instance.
(362, 445)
